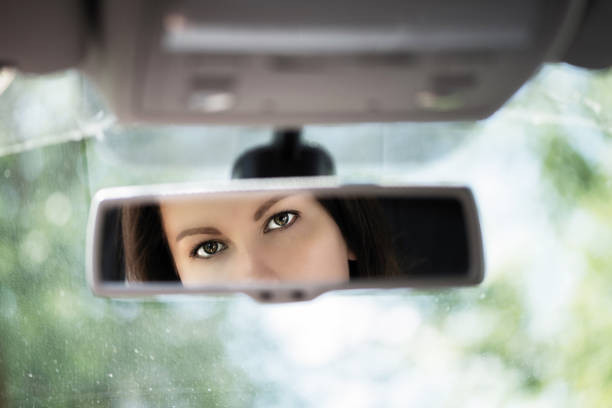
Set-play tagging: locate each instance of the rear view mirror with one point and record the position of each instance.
(281, 240)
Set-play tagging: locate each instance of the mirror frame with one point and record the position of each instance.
(279, 292)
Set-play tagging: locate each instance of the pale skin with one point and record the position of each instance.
(255, 238)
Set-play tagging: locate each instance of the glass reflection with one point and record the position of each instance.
(257, 237)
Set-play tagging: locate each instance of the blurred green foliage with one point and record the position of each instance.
(60, 346)
(570, 173)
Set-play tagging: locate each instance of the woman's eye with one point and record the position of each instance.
(208, 249)
(280, 220)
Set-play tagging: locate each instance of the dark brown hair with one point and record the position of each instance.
(361, 222)
(146, 250)
(364, 228)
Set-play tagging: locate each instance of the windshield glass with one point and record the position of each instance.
(534, 333)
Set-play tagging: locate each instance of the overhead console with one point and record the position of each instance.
(294, 62)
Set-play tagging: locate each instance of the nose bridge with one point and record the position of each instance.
(254, 265)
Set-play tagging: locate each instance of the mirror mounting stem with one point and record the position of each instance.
(285, 156)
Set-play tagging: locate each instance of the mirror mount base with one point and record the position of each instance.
(285, 156)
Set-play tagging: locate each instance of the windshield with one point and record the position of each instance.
(535, 333)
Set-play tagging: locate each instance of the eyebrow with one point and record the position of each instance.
(265, 206)
(196, 231)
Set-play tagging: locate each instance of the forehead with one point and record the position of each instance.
(217, 202)
(227, 207)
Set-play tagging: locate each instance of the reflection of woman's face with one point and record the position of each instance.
(260, 237)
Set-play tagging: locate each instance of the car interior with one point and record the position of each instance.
(290, 203)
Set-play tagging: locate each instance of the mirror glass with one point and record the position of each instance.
(299, 236)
